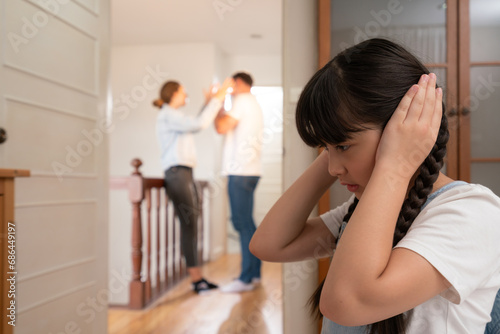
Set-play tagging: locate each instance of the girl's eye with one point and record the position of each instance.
(342, 148)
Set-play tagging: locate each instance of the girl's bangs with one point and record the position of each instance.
(321, 118)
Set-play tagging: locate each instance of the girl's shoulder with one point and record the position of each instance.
(457, 210)
(458, 232)
(460, 193)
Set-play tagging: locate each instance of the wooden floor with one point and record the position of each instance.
(181, 311)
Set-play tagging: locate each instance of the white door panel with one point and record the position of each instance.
(53, 93)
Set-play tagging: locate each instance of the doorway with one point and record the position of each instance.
(270, 185)
(195, 47)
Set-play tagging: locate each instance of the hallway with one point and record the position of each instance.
(183, 312)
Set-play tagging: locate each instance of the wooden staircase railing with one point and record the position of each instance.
(8, 251)
(148, 191)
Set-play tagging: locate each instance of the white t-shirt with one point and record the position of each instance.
(458, 232)
(243, 144)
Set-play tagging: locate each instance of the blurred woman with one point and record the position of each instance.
(178, 157)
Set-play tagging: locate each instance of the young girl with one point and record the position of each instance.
(415, 251)
(178, 157)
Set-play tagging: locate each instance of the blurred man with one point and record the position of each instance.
(242, 126)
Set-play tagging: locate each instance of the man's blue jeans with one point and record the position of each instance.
(494, 326)
(241, 197)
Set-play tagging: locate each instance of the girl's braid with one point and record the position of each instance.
(428, 173)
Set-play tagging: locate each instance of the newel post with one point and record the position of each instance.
(136, 195)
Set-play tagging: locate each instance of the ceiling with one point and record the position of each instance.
(238, 27)
(254, 27)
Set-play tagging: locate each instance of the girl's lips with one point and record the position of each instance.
(351, 187)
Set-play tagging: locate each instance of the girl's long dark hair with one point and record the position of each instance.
(359, 89)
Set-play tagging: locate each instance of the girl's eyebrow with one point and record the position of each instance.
(348, 140)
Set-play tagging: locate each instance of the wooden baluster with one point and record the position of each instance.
(200, 222)
(158, 206)
(172, 246)
(205, 225)
(167, 244)
(204, 250)
(180, 253)
(148, 246)
(175, 244)
(182, 263)
(136, 195)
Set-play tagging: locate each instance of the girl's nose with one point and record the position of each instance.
(335, 168)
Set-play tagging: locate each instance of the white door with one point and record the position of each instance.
(53, 93)
(270, 185)
(269, 188)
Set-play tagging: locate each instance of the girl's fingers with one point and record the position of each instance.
(417, 104)
(428, 109)
(404, 104)
(438, 112)
(414, 126)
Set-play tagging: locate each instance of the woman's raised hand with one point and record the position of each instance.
(210, 92)
(221, 92)
(412, 130)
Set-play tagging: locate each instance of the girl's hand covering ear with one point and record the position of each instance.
(412, 130)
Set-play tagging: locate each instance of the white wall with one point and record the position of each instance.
(266, 70)
(299, 64)
(133, 134)
(221, 61)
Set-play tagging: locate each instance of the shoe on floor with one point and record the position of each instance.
(203, 286)
(256, 280)
(237, 286)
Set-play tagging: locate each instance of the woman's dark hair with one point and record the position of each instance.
(357, 90)
(166, 93)
(245, 77)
